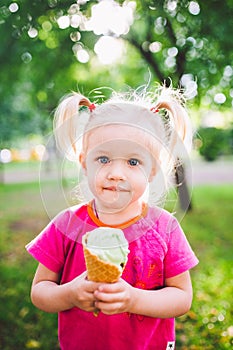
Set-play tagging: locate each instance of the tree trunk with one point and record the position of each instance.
(182, 188)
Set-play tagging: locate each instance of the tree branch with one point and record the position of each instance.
(181, 57)
(147, 55)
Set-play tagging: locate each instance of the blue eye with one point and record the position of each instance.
(103, 160)
(133, 162)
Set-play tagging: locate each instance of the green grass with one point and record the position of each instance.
(209, 324)
(22, 217)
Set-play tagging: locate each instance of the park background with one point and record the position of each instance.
(49, 48)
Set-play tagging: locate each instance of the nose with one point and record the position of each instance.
(116, 170)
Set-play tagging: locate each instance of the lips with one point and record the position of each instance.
(115, 189)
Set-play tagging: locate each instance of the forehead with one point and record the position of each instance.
(119, 136)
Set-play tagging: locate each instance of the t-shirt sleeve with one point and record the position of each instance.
(180, 256)
(48, 246)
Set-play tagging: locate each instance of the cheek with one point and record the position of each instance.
(95, 174)
(140, 180)
(144, 174)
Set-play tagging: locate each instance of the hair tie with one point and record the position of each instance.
(91, 107)
(154, 110)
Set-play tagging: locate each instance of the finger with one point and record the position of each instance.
(108, 297)
(110, 287)
(89, 308)
(109, 309)
(91, 286)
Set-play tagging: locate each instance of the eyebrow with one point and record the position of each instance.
(142, 155)
(100, 152)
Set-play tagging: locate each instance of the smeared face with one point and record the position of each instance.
(118, 165)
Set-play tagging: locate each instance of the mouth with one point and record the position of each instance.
(115, 189)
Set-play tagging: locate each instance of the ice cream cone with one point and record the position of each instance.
(105, 253)
(99, 270)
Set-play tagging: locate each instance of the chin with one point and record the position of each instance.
(115, 206)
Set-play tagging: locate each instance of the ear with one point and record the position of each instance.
(152, 174)
(82, 161)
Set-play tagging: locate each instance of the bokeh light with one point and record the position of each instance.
(108, 17)
(109, 49)
(5, 155)
(13, 7)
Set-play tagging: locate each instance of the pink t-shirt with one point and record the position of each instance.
(158, 250)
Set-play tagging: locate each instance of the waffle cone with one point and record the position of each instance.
(99, 270)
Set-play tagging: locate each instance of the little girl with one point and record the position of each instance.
(127, 155)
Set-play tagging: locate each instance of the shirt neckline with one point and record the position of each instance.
(123, 225)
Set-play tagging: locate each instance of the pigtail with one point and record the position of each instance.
(175, 144)
(177, 122)
(67, 122)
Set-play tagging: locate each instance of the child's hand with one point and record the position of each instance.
(82, 293)
(114, 298)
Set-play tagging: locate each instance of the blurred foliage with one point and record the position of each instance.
(215, 142)
(37, 70)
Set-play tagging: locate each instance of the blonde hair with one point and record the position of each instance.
(160, 113)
